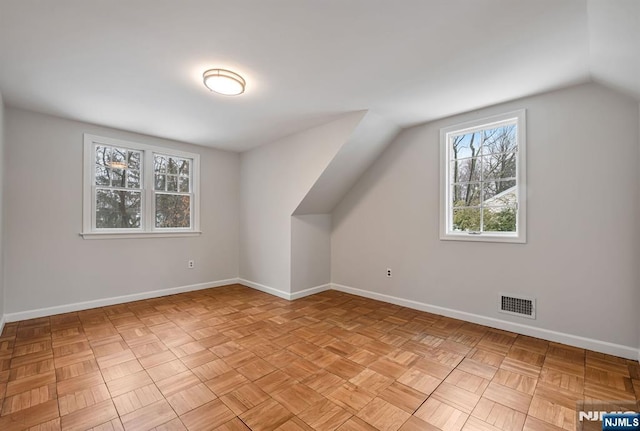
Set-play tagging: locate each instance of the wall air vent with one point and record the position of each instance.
(517, 305)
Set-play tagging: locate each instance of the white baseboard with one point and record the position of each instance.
(281, 293)
(77, 306)
(266, 289)
(310, 291)
(519, 328)
(2, 322)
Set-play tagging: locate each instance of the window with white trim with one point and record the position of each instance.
(483, 190)
(136, 190)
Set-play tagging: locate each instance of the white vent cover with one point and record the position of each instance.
(517, 305)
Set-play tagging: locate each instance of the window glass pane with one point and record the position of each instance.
(133, 179)
(172, 183)
(173, 211)
(117, 209)
(466, 170)
(133, 159)
(184, 167)
(467, 145)
(497, 193)
(102, 155)
(499, 140)
(499, 219)
(102, 176)
(118, 178)
(498, 166)
(159, 164)
(184, 184)
(466, 219)
(161, 181)
(172, 167)
(483, 163)
(466, 195)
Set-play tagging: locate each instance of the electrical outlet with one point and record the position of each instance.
(389, 272)
(190, 264)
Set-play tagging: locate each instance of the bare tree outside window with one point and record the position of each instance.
(118, 188)
(172, 187)
(483, 180)
(137, 190)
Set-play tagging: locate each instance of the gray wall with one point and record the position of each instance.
(581, 259)
(2, 207)
(310, 251)
(49, 264)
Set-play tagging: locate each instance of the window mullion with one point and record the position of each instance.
(148, 191)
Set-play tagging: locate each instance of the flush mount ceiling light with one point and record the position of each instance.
(118, 165)
(223, 81)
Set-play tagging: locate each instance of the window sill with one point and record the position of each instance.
(463, 236)
(132, 235)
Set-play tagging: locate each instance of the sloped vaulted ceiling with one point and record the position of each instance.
(137, 65)
(614, 44)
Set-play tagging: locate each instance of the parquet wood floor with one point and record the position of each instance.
(232, 358)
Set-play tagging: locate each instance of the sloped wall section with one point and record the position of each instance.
(370, 137)
(311, 221)
(274, 178)
(289, 189)
(614, 44)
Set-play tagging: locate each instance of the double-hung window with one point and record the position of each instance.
(132, 189)
(483, 195)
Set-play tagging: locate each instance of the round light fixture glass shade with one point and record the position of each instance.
(224, 81)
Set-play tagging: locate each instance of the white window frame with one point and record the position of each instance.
(446, 211)
(148, 227)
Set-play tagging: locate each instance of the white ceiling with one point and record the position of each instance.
(137, 65)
